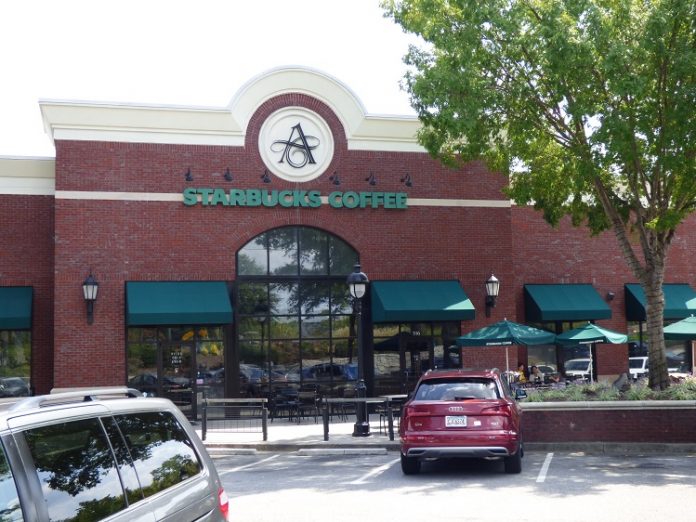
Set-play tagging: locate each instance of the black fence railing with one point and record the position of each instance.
(235, 415)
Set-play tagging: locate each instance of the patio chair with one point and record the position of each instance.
(307, 405)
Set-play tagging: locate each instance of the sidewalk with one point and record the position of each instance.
(303, 437)
(308, 438)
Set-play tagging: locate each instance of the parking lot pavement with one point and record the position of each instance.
(572, 486)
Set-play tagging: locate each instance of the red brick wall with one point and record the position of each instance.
(635, 425)
(567, 254)
(26, 259)
(122, 241)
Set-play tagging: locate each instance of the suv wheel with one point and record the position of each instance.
(513, 463)
(410, 465)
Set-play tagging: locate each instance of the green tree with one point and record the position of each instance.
(587, 105)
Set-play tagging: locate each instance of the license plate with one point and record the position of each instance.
(455, 421)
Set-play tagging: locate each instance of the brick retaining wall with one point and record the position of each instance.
(666, 422)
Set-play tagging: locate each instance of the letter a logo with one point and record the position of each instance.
(296, 151)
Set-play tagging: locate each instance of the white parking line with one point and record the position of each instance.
(374, 472)
(544, 468)
(246, 466)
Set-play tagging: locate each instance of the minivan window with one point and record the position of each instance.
(76, 470)
(161, 451)
(10, 510)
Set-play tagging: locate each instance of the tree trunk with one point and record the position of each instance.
(655, 306)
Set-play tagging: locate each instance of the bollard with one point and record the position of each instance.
(205, 420)
(390, 417)
(325, 420)
(264, 422)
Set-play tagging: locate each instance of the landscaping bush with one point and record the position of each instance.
(637, 391)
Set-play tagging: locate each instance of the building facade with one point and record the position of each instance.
(221, 239)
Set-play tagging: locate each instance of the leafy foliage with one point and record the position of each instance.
(638, 391)
(589, 106)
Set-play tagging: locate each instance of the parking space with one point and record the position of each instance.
(569, 486)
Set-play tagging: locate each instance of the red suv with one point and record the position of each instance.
(461, 413)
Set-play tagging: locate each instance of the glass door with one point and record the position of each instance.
(416, 357)
(178, 378)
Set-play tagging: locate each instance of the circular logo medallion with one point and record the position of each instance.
(296, 144)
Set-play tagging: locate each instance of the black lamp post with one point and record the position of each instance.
(89, 289)
(492, 290)
(357, 285)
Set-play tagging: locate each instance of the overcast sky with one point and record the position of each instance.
(196, 52)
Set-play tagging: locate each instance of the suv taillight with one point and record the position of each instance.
(500, 409)
(224, 503)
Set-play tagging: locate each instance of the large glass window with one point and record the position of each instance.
(15, 363)
(293, 312)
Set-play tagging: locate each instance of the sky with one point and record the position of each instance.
(186, 53)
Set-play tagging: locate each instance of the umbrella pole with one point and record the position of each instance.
(507, 359)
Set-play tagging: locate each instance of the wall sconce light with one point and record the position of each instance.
(188, 175)
(610, 296)
(89, 289)
(406, 180)
(334, 179)
(492, 290)
(265, 177)
(228, 175)
(371, 179)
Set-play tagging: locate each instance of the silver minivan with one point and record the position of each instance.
(104, 454)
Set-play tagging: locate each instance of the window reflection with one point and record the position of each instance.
(161, 451)
(78, 475)
(307, 307)
(10, 510)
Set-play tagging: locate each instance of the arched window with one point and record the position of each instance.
(293, 311)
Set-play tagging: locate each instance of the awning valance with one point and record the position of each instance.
(407, 301)
(559, 302)
(680, 301)
(15, 307)
(173, 303)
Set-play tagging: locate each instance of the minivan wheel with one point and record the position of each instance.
(513, 463)
(410, 465)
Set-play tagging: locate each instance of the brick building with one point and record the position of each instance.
(221, 239)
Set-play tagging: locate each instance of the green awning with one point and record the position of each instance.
(15, 307)
(680, 301)
(572, 302)
(173, 303)
(407, 301)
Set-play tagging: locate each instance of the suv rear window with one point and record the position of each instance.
(76, 469)
(457, 389)
(10, 510)
(161, 451)
(79, 476)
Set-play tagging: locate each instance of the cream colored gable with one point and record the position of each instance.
(135, 123)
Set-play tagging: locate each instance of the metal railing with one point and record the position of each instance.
(235, 415)
(387, 410)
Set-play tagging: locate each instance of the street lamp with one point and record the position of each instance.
(90, 287)
(492, 290)
(357, 285)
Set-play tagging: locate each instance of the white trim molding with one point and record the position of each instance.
(227, 126)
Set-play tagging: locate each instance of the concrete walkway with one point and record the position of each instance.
(307, 438)
(304, 437)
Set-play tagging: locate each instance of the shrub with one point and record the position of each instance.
(638, 391)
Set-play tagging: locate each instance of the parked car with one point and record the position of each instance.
(13, 387)
(104, 454)
(638, 367)
(461, 413)
(578, 369)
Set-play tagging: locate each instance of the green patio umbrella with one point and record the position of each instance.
(505, 333)
(590, 334)
(683, 330)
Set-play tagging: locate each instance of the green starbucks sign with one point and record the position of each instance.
(210, 197)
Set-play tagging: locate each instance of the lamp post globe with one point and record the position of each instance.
(357, 286)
